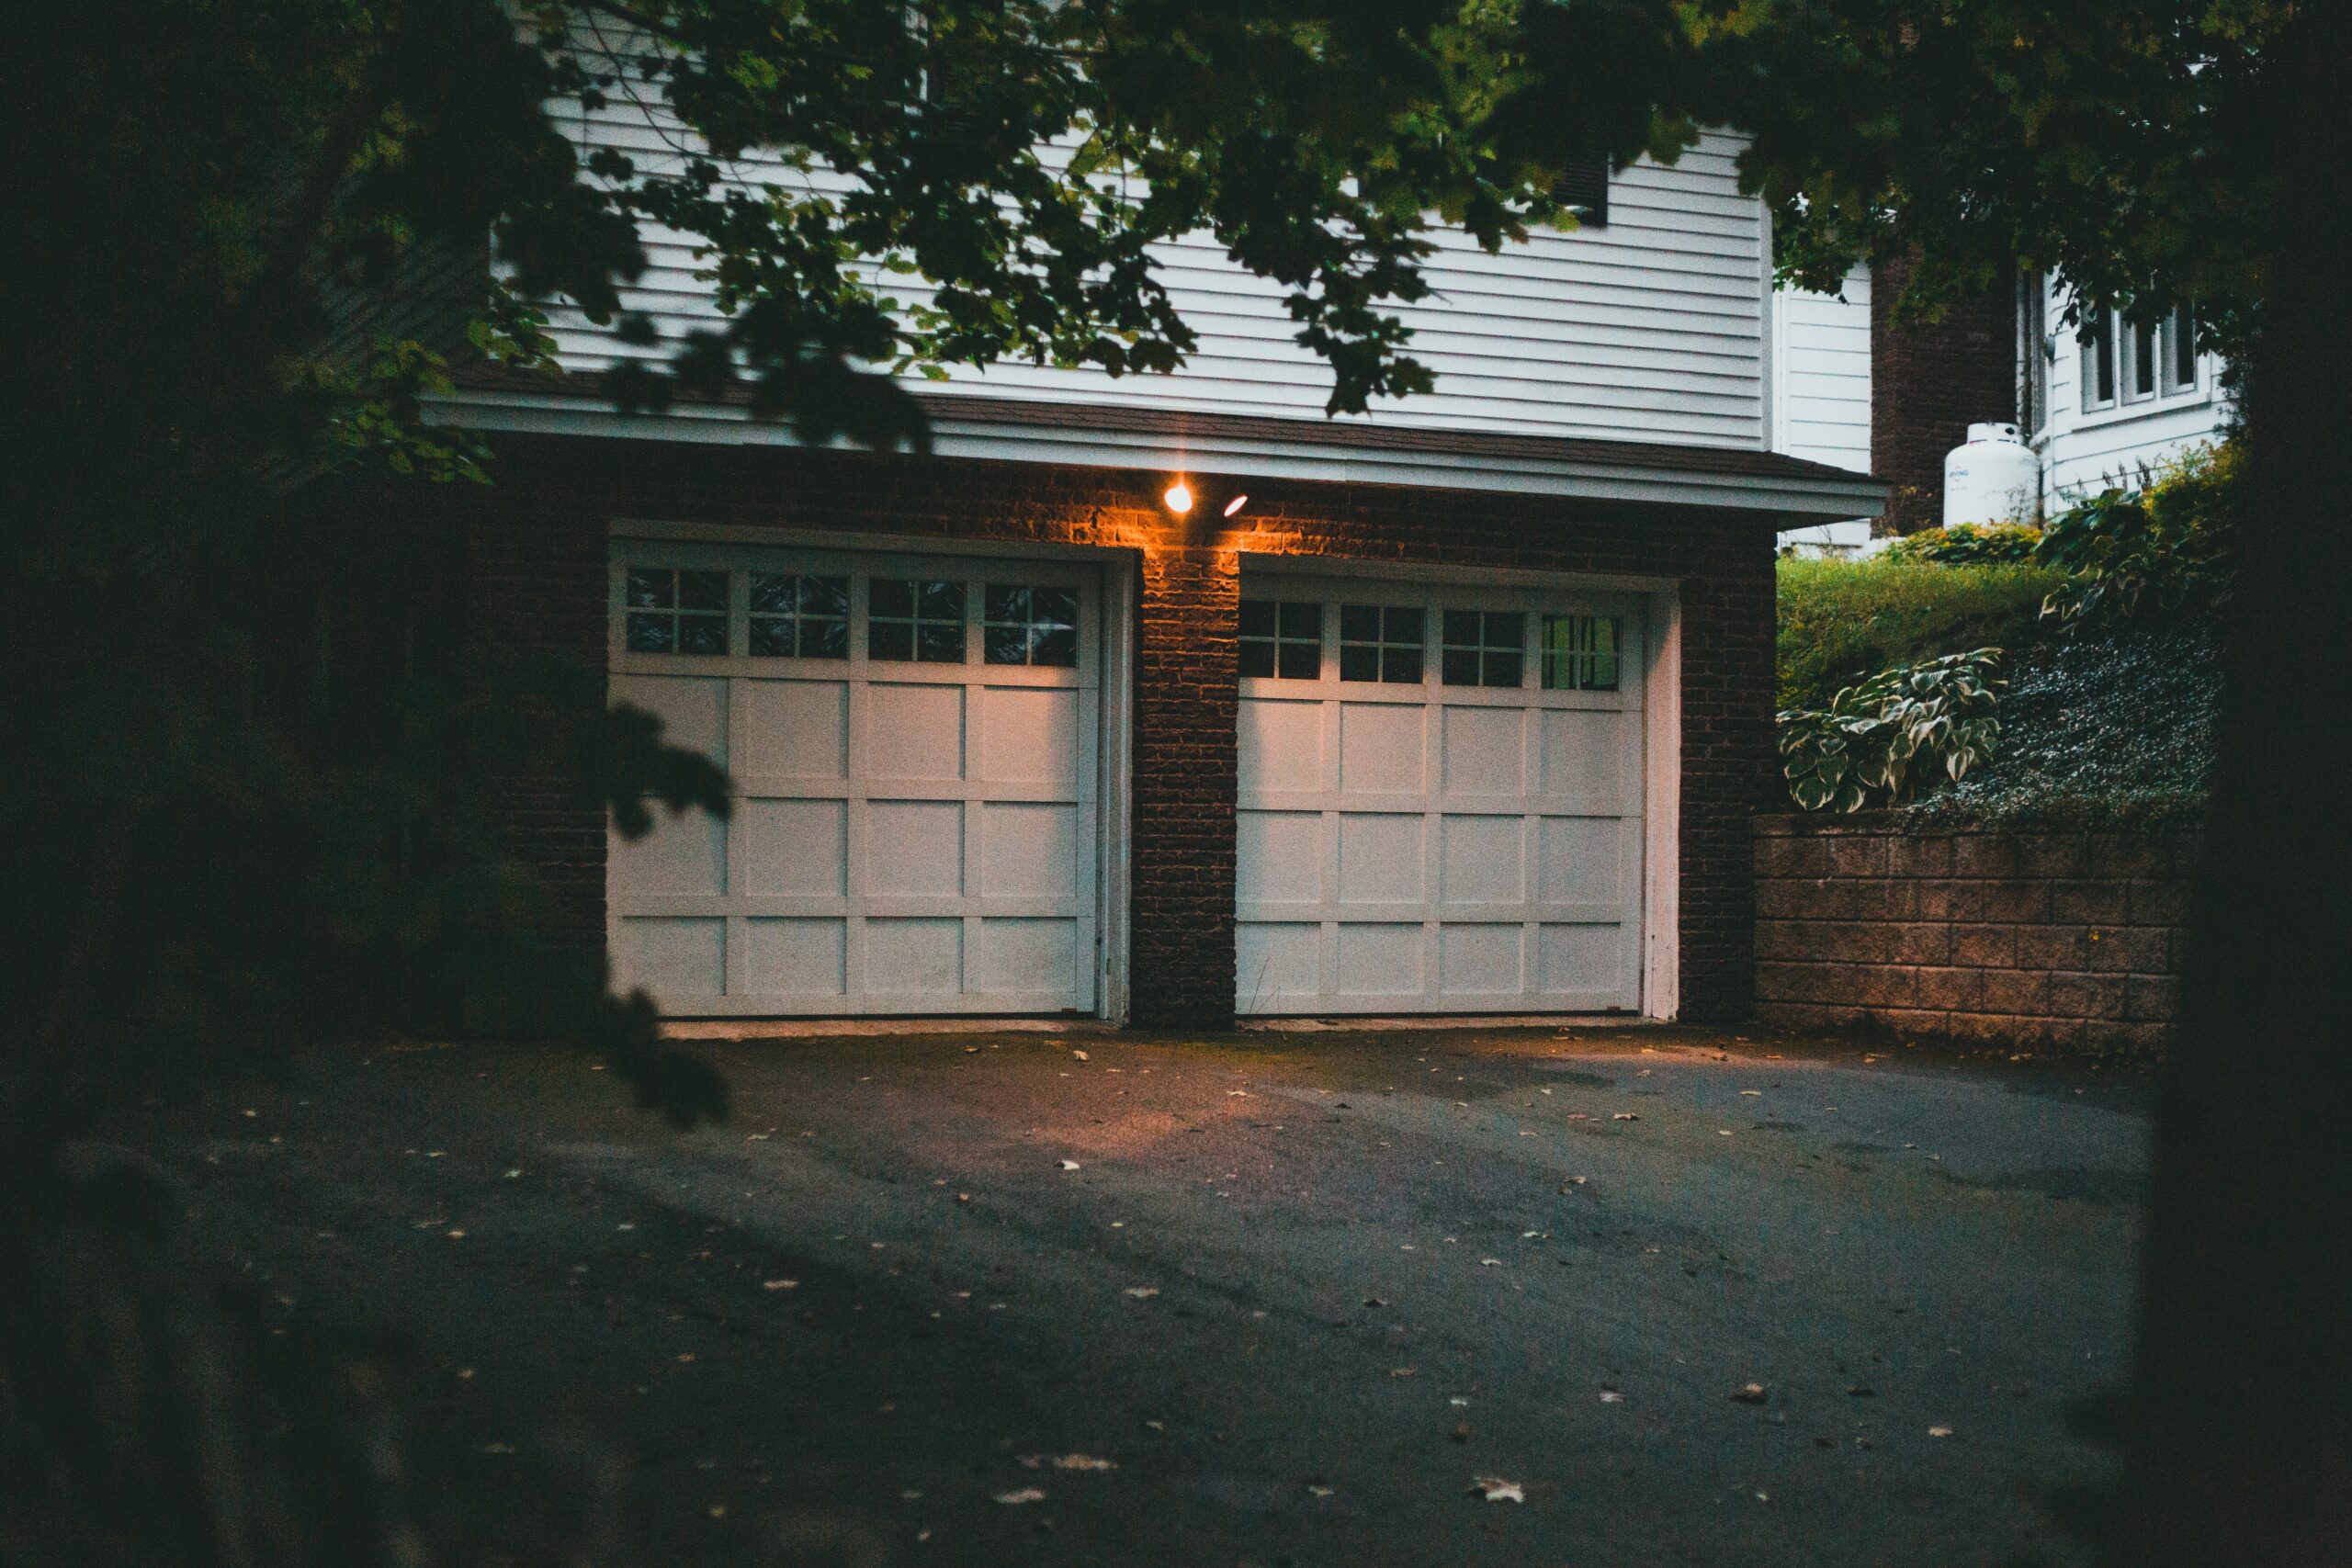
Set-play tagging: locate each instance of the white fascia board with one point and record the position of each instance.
(1802, 499)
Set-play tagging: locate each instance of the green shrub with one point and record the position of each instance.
(2149, 557)
(2114, 731)
(1968, 544)
(1842, 622)
(1861, 750)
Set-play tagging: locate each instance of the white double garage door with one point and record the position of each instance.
(1440, 805)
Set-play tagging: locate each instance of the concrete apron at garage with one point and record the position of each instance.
(1299, 1290)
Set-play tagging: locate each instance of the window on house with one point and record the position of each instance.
(1021, 625)
(1580, 653)
(1381, 642)
(2033, 353)
(798, 616)
(918, 621)
(675, 612)
(1281, 639)
(2141, 361)
(1583, 187)
(1483, 648)
(2096, 340)
(2180, 350)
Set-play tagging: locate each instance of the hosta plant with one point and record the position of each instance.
(1873, 741)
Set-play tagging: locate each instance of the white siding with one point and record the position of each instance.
(2083, 454)
(1821, 374)
(1648, 330)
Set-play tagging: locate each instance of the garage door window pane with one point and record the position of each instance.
(1483, 648)
(1580, 653)
(798, 616)
(670, 611)
(915, 620)
(1023, 625)
(1282, 639)
(1381, 642)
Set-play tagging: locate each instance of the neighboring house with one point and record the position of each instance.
(1460, 708)
(2101, 402)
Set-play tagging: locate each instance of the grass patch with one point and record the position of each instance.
(1841, 622)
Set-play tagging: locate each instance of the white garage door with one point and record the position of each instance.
(912, 740)
(1441, 798)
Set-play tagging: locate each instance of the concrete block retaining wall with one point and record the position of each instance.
(2059, 941)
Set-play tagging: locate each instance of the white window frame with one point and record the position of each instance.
(2137, 344)
(2180, 325)
(2094, 340)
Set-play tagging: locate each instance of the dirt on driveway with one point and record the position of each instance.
(1616, 1297)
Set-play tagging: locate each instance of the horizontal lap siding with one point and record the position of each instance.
(1650, 329)
(1821, 375)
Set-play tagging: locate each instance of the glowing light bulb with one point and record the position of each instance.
(1179, 497)
(1236, 505)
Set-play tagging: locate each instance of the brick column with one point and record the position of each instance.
(1930, 381)
(1187, 692)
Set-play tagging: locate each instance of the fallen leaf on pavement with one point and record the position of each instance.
(1084, 1461)
(1494, 1489)
(779, 1284)
(1626, 1116)
(1141, 1292)
(1375, 1301)
(1490, 1263)
(1319, 1491)
(1859, 1390)
(1749, 1393)
(1461, 1433)
(1026, 1494)
(1610, 1396)
(1939, 1432)
(1070, 1165)
(1079, 1056)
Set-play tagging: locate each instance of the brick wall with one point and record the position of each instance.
(2051, 940)
(537, 573)
(1930, 381)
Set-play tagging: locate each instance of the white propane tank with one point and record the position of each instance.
(1992, 476)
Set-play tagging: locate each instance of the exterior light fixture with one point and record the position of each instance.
(1179, 497)
(1236, 505)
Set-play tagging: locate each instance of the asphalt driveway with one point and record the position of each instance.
(1669, 1297)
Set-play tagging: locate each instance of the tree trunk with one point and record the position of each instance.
(2240, 1447)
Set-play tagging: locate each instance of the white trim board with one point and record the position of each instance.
(1819, 499)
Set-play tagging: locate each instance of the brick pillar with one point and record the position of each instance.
(1930, 381)
(1187, 694)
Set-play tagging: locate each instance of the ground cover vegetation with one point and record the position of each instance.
(2090, 646)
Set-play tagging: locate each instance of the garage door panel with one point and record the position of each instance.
(1278, 857)
(683, 957)
(1279, 963)
(921, 956)
(793, 729)
(1281, 746)
(1029, 850)
(914, 846)
(1026, 954)
(1030, 734)
(1484, 860)
(805, 958)
(912, 834)
(1476, 961)
(1380, 749)
(1581, 858)
(1589, 959)
(915, 731)
(1412, 845)
(1583, 759)
(1378, 960)
(1380, 858)
(1485, 750)
(693, 709)
(798, 848)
